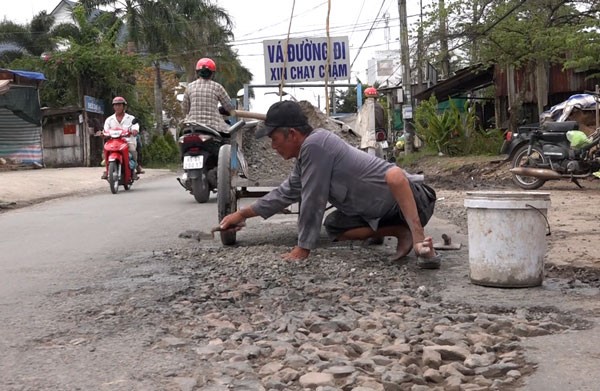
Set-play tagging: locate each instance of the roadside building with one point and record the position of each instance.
(21, 117)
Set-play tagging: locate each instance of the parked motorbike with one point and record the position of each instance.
(199, 147)
(120, 166)
(542, 153)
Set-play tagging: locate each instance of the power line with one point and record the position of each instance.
(288, 19)
(368, 34)
(358, 17)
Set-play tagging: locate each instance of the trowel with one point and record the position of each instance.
(446, 244)
(199, 235)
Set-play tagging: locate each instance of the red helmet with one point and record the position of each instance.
(206, 63)
(371, 91)
(119, 99)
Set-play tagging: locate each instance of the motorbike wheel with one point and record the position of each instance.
(113, 176)
(226, 196)
(127, 186)
(200, 189)
(521, 159)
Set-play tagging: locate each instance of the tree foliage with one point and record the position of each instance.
(516, 32)
(102, 52)
(145, 90)
(90, 65)
(31, 39)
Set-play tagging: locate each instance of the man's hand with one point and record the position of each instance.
(297, 254)
(234, 219)
(425, 248)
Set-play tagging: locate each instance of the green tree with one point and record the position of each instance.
(91, 64)
(511, 32)
(207, 29)
(32, 38)
(151, 30)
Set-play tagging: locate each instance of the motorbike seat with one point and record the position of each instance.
(193, 127)
(559, 127)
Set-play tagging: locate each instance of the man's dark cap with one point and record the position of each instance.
(284, 114)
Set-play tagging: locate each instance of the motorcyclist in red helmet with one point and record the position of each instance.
(202, 97)
(121, 119)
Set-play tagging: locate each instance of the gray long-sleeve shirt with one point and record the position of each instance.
(330, 170)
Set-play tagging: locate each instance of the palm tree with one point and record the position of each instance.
(181, 31)
(206, 28)
(151, 28)
(32, 38)
(90, 62)
(208, 31)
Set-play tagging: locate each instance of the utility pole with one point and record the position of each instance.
(444, 40)
(386, 31)
(420, 49)
(407, 109)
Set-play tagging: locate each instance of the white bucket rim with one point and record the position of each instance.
(507, 200)
(504, 195)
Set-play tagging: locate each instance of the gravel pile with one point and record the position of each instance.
(347, 320)
(265, 164)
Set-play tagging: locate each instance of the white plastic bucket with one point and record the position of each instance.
(507, 237)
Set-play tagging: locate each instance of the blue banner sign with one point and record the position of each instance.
(93, 105)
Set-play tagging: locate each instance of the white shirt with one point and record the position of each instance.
(365, 124)
(126, 123)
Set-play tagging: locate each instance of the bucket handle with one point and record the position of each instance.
(544, 216)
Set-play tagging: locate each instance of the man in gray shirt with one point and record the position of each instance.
(373, 198)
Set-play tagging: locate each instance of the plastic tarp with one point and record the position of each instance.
(561, 111)
(27, 74)
(23, 102)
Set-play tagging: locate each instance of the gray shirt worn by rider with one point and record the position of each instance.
(330, 170)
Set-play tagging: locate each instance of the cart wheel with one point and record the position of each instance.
(226, 194)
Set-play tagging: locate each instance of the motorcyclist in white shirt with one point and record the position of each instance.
(121, 119)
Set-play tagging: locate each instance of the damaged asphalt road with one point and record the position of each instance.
(172, 313)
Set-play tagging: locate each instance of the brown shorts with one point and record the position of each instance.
(336, 223)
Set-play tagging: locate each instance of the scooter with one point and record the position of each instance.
(199, 147)
(120, 166)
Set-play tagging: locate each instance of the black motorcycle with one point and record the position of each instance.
(199, 147)
(542, 153)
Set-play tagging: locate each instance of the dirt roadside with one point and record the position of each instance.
(573, 216)
(19, 188)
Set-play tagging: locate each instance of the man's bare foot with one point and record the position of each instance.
(404, 246)
(400, 254)
(296, 254)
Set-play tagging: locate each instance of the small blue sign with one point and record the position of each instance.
(93, 105)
